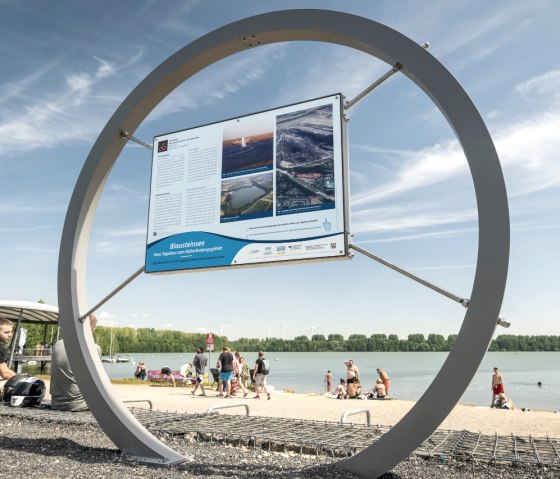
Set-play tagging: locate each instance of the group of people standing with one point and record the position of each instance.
(233, 367)
(234, 373)
(351, 387)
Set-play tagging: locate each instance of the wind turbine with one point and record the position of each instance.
(222, 326)
(282, 327)
(313, 329)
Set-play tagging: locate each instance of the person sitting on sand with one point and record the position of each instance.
(385, 379)
(65, 393)
(140, 372)
(6, 327)
(379, 389)
(340, 390)
(504, 402)
(353, 390)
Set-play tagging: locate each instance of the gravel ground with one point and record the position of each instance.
(48, 450)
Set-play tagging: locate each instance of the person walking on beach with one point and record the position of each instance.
(328, 381)
(497, 386)
(225, 365)
(262, 368)
(244, 375)
(240, 375)
(200, 362)
(352, 372)
(386, 381)
(6, 373)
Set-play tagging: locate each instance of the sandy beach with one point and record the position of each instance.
(61, 450)
(315, 407)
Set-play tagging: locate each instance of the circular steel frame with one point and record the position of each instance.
(284, 26)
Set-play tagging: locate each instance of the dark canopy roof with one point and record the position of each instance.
(30, 312)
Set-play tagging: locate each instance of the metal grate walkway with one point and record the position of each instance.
(320, 437)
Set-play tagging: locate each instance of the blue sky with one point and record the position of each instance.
(67, 66)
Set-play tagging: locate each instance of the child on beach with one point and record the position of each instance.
(328, 381)
(340, 390)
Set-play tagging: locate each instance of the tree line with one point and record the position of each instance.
(150, 340)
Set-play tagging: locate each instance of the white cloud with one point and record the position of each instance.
(405, 220)
(72, 113)
(528, 151)
(413, 237)
(107, 319)
(219, 82)
(545, 85)
(329, 70)
(444, 267)
(420, 168)
(105, 69)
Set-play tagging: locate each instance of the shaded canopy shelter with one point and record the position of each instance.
(27, 312)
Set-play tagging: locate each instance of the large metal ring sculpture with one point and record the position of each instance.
(292, 25)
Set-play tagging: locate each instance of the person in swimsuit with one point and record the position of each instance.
(386, 381)
(328, 381)
(352, 372)
(379, 389)
(340, 390)
(497, 386)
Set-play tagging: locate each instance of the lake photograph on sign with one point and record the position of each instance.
(263, 188)
(247, 197)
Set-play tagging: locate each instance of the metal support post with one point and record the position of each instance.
(112, 293)
(503, 322)
(227, 406)
(397, 67)
(366, 411)
(127, 135)
(454, 297)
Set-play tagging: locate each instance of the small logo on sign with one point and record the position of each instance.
(162, 146)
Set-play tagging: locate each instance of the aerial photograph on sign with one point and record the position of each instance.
(247, 197)
(247, 149)
(304, 161)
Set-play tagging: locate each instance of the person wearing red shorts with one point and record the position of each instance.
(497, 386)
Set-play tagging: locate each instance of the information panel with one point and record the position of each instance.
(262, 188)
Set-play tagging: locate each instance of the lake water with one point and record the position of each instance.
(246, 195)
(410, 373)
